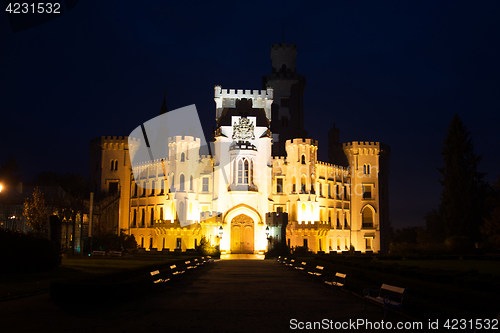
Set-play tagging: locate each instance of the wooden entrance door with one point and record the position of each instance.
(242, 234)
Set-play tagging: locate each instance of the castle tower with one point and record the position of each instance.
(110, 180)
(287, 110)
(369, 164)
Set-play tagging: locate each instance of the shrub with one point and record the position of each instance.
(21, 252)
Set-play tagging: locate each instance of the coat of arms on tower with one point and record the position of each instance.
(243, 130)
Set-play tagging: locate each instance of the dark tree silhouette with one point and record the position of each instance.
(491, 227)
(462, 206)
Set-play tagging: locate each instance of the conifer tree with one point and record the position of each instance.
(463, 196)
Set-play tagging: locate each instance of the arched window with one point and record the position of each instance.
(116, 164)
(112, 164)
(294, 184)
(182, 212)
(303, 184)
(240, 171)
(364, 169)
(181, 183)
(191, 183)
(294, 212)
(367, 217)
(303, 159)
(134, 218)
(183, 157)
(368, 169)
(152, 218)
(143, 217)
(245, 177)
(172, 188)
(251, 171)
(303, 211)
(312, 185)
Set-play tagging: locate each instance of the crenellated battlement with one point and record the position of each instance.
(361, 143)
(183, 139)
(284, 46)
(240, 93)
(301, 141)
(226, 98)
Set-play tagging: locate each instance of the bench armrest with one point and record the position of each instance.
(367, 291)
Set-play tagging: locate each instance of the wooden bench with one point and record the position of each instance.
(337, 281)
(390, 297)
(115, 253)
(189, 265)
(176, 271)
(317, 272)
(301, 267)
(98, 253)
(159, 279)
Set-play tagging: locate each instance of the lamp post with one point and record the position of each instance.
(268, 231)
(219, 236)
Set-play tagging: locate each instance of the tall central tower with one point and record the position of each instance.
(287, 111)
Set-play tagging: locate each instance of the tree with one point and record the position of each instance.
(462, 206)
(491, 227)
(36, 212)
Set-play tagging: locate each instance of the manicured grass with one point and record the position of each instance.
(22, 284)
(482, 266)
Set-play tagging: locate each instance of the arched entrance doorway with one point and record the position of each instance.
(242, 234)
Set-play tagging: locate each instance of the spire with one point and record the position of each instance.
(163, 108)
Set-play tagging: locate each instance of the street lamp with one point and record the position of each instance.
(221, 231)
(267, 232)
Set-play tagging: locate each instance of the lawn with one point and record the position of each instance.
(22, 284)
(482, 266)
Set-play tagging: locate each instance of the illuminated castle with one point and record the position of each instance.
(263, 184)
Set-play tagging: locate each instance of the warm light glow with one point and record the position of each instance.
(1, 187)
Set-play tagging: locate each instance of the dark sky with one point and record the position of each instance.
(392, 71)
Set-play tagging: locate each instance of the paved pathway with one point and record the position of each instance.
(227, 296)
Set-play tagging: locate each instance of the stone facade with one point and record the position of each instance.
(248, 193)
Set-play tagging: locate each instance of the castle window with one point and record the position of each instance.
(245, 179)
(152, 217)
(303, 184)
(338, 243)
(191, 183)
(338, 220)
(293, 184)
(134, 218)
(161, 213)
(279, 209)
(152, 188)
(143, 217)
(142, 242)
(367, 191)
(150, 243)
(279, 185)
(367, 217)
(135, 189)
(320, 189)
(303, 159)
(368, 243)
(181, 213)
(330, 190)
(305, 244)
(366, 169)
(113, 188)
(112, 164)
(345, 221)
(162, 186)
(312, 186)
(303, 211)
(172, 188)
(116, 164)
(181, 185)
(240, 171)
(178, 243)
(144, 189)
(205, 184)
(183, 157)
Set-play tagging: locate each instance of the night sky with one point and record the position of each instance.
(392, 71)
